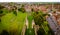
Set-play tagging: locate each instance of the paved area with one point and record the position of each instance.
(53, 24)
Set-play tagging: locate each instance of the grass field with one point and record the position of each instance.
(10, 22)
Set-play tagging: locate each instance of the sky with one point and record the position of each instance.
(29, 0)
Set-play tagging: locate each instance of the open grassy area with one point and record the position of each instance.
(11, 23)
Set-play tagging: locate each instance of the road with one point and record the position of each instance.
(53, 25)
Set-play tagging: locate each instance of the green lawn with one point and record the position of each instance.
(10, 22)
